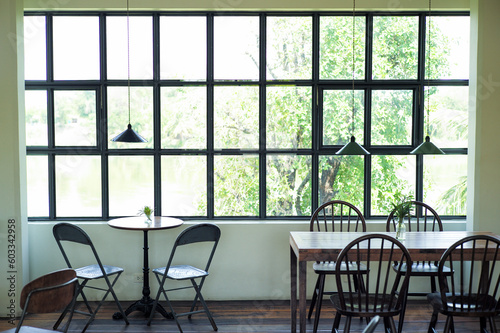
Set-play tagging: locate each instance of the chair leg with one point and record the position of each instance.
(493, 326)
(448, 325)
(347, 327)
(110, 289)
(482, 325)
(202, 300)
(319, 301)
(402, 314)
(433, 284)
(336, 322)
(433, 322)
(389, 324)
(79, 291)
(314, 297)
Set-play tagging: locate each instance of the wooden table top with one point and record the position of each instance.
(318, 246)
(139, 223)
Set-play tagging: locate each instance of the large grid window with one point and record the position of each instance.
(243, 112)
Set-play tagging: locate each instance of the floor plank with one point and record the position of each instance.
(235, 317)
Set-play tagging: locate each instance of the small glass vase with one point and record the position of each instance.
(401, 230)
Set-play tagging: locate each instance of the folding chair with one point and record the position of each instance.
(48, 293)
(204, 232)
(66, 232)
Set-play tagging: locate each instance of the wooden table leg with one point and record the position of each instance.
(302, 295)
(293, 291)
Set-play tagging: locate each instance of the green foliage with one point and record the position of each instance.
(401, 205)
(147, 211)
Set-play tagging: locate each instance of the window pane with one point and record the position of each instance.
(236, 117)
(391, 174)
(78, 186)
(130, 184)
(289, 48)
(141, 115)
(449, 116)
(395, 47)
(184, 117)
(140, 50)
(341, 178)
(288, 117)
(75, 117)
(76, 48)
(336, 47)
(34, 48)
(392, 117)
(183, 48)
(35, 103)
(184, 185)
(445, 183)
(338, 116)
(37, 177)
(288, 185)
(449, 47)
(236, 185)
(236, 48)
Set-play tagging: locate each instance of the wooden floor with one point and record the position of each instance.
(236, 317)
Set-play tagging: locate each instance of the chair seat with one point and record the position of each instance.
(381, 308)
(423, 268)
(181, 272)
(94, 272)
(467, 305)
(328, 267)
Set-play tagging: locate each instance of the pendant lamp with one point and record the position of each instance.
(352, 147)
(427, 147)
(129, 135)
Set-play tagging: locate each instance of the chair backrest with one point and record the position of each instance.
(203, 232)
(337, 215)
(422, 218)
(49, 293)
(475, 284)
(72, 233)
(384, 288)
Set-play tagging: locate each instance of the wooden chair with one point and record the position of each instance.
(49, 293)
(474, 288)
(191, 237)
(332, 216)
(67, 232)
(385, 289)
(425, 219)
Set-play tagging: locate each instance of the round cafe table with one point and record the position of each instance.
(145, 304)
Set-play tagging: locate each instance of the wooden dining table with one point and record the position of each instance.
(323, 246)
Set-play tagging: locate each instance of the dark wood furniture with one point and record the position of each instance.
(49, 293)
(322, 246)
(137, 223)
(473, 289)
(385, 289)
(422, 218)
(332, 216)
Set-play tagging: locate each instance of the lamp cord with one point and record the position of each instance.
(353, 59)
(429, 71)
(128, 60)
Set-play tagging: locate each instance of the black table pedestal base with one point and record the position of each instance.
(145, 305)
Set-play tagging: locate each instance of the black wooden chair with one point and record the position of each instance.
(423, 218)
(67, 232)
(385, 289)
(207, 233)
(49, 293)
(332, 216)
(474, 288)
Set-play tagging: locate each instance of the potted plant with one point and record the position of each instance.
(402, 208)
(147, 211)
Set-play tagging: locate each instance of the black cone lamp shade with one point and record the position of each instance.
(352, 148)
(427, 147)
(129, 135)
